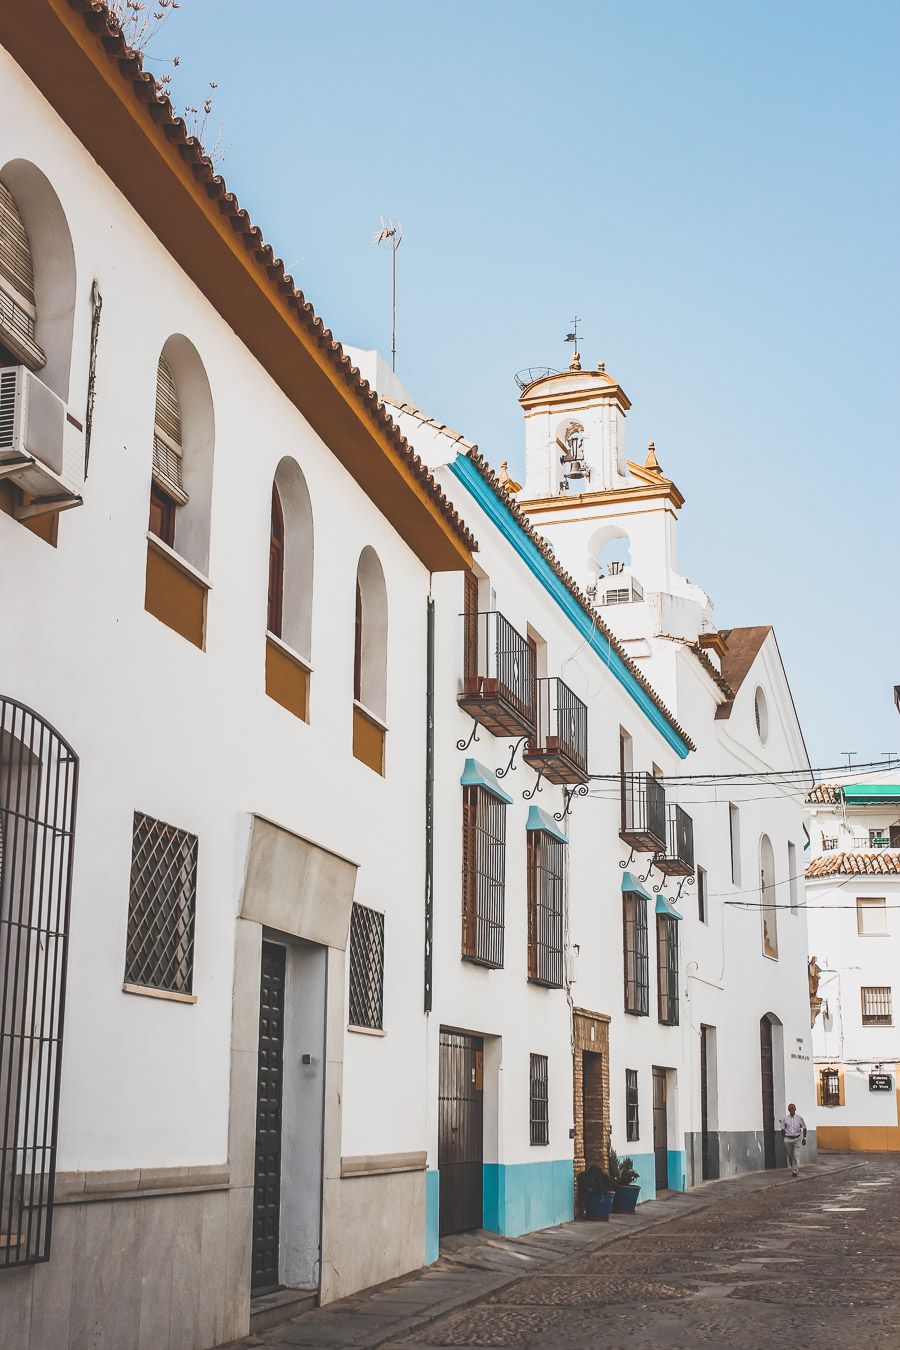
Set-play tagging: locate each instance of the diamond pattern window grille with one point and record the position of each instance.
(366, 968)
(161, 907)
(540, 1100)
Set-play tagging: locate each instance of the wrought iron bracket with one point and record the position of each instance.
(646, 877)
(473, 736)
(685, 881)
(529, 792)
(580, 790)
(628, 861)
(513, 751)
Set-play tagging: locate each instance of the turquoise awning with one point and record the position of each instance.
(542, 820)
(631, 883)
(664, 906)
(477, 775)
(871, 794)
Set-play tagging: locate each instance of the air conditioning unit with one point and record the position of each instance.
(40, 450)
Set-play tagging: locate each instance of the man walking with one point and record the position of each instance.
(793, 1132)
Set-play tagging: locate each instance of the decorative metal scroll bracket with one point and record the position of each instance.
(646, 877)
(529, 792)
(580, 790)
(628, 861)
(473, 736)
(513, 751)
(685, 881)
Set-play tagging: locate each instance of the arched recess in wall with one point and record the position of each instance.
(609, 555)
(183, 439)
(767, 896)
(370, 643)
(37, 256)
(291, 559)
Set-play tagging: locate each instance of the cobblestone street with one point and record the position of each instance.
(758, 1262)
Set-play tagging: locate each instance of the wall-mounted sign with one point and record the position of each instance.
(881, 1082)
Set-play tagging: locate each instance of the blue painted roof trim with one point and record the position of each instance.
(476, 775)
(631, 883)
(663, 906)
(463, 469)
(542, 820)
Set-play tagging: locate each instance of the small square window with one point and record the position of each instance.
(159, 951)
(876, 1006)
(366, 968)
(871, 917)
(540, 1100)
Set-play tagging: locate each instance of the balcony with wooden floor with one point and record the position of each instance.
(678, 859)
(558, 750)
(498, 676)
(643, 824)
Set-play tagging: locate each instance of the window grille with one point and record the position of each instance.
(540, 1100)
(484, 876)
(632, 1120)
(167, 451)
(876, 1006)
(366, 968)
(667, 969)
(831, 1087)
(702, 909)
(546, 883)
(160, 945)
(637, 965)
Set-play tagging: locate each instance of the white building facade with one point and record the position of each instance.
(853, 895)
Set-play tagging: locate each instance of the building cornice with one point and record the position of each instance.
(666, 491)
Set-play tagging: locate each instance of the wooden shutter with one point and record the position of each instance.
(17, 308)
(167, 450)
(534, 882)
(470, 639)
(469, 879)
(276, 566)
(357, 645)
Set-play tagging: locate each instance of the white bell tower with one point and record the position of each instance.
(574, 433)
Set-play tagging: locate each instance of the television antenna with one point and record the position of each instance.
(392, 234)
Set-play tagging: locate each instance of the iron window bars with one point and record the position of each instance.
(637, 963)
(876, 1006)
(702, 906)
(643, 824)
(559, 749)
(498, 676)
(366, 968)
(632, 1121)
(678, 860)
(159, 951)
(546, 889)
(38, 790)
(483, 876)
(831, 1087)
(667, 969)
(540, 1100)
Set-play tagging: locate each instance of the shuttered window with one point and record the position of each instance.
(17, 308)
(667, 969)
(637, 963)
(546, 864)
(876, 1006)
(632, 1118)
(276, 566)
(167, 451)
(484, 876)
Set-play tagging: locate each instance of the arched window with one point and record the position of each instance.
(370, 662)
(767, 894)
(276, 565)
(18, 314)
(289, 606)
(167, 489)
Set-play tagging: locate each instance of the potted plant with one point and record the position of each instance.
(622, 1174)
(597, 1193)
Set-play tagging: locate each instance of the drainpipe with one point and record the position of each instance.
(429, 804)
(96, 306)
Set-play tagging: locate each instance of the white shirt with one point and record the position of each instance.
(793, 1125)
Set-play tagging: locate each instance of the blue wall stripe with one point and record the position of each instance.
(463, 469)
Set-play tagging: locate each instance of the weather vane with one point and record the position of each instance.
(573, 336)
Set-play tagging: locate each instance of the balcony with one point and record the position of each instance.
(678, 860)
(498, 681)
(643, 813)
(559, 749)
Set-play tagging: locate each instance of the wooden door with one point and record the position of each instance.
(768, 1090)
(461, 1132)
(267, 1177)
(660, 1130)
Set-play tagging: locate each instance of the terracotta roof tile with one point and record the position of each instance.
(886, 862)
(824, 794)
(102, 24)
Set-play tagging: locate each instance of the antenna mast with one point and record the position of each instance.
(393, 234)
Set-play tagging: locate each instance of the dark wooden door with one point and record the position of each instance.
(705, 1168)
(267, 1177)
(768, 1090)
(461, 1132)
(660, 1130)
(592, 1108)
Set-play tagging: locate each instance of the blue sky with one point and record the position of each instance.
(713, 187)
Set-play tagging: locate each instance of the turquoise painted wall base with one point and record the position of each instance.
(523, 1197)
(645, 1166)
(432, 1215)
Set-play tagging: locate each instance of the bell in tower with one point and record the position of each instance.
(574, 432)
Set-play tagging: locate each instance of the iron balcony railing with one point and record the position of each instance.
(643, 813)
(559, 747)
(679, 857)
(498, 676)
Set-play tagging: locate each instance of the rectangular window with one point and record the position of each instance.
(632, 1121)
(876, 1006)
(831, 1087)
(702, 911)
(540, 1100)
(637, 965)
(483, 876)
(734, 828)
(871, 917)
(793, 878)
(667, 969)
(162, 900)
(879, 839)
(546, 880)
(366, 968)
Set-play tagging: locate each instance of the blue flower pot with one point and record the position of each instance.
(626, 1199)
(600, 1206)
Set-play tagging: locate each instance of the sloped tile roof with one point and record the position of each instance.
(886, 862)
(824, 794)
